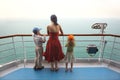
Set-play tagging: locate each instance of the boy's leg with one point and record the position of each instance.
(36, 60)
(40, 50)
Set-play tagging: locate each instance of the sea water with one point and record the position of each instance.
(21, 50)
(79, 26)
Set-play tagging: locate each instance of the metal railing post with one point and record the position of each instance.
(104, 45)
(112, 49)
(24, 52)
(101, 48)
(14, 49)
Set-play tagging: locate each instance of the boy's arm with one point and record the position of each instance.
(42, 39)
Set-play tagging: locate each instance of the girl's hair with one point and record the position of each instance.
(70, 37)
(71, 40)
(54, 19)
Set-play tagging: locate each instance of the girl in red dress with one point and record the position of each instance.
(54, 52)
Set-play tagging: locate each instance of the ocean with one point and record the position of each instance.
(69, 26)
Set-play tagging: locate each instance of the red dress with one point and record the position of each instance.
(53, 49)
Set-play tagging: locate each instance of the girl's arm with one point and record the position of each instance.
(66, 45)
(74, 44)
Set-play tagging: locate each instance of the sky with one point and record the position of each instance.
(36, 9)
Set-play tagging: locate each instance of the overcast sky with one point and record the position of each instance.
(36, 9)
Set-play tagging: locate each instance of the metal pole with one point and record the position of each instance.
(105, 42)
(101, 44)
(24, 52)
(14, 50)
(112, 50)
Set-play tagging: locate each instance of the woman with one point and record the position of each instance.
(54, 52)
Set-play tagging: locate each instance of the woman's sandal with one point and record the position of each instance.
(56, 69)
(52, 69)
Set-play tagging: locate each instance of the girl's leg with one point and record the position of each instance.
(66, 66)
(71, 67)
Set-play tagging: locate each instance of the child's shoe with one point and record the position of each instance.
(66, 70)
(70, 70)
(42, 67)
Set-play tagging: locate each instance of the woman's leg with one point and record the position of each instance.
(52, 66)
(56, 65)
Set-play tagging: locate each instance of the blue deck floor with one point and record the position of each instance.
(94, 73)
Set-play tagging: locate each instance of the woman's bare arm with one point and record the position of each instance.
(61, 30)
(48, 30)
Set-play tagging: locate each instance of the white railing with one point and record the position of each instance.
(20, 47)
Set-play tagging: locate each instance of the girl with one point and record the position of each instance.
(69, 58)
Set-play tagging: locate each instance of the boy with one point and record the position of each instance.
(38, 40)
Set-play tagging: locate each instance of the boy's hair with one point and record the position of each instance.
(35, 30)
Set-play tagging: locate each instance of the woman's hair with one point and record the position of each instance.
(54, 19)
